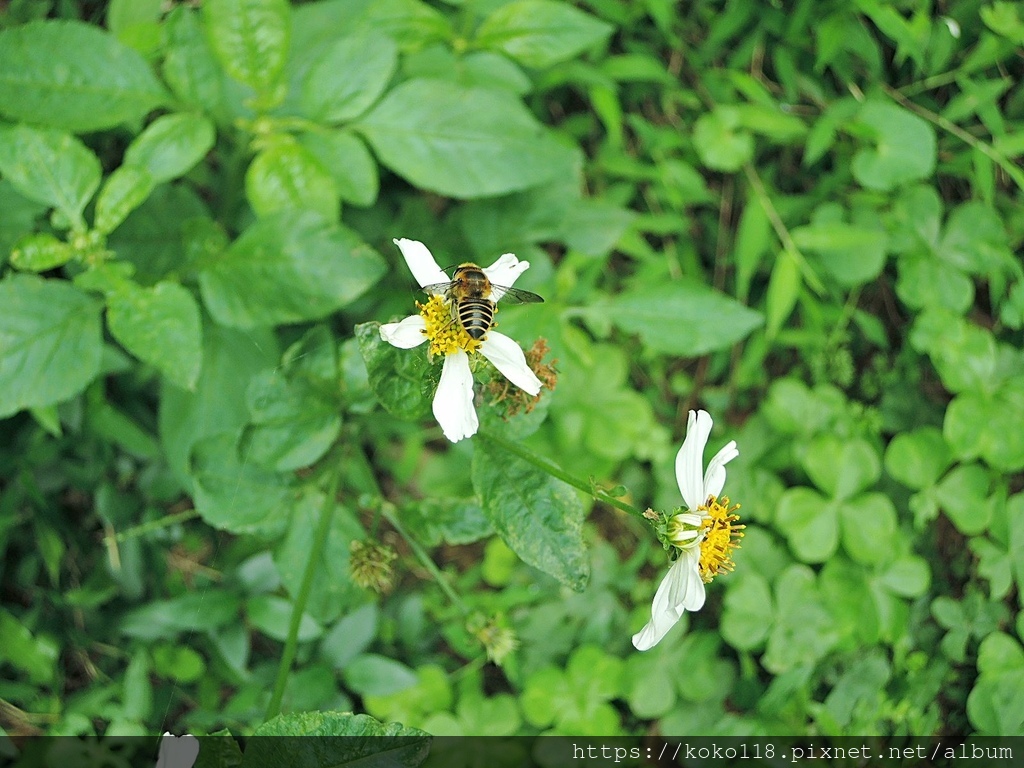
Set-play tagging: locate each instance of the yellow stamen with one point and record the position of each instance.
(721, 536)
(445, 334)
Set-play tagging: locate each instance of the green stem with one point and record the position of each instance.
(155, 525)
(555, 471)
(291, 644)
(388, 511)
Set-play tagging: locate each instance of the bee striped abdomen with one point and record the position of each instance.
(476, 316)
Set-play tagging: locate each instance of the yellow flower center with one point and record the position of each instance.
(721, 536)
(444, 332)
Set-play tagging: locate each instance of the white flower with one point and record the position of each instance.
(453, 400)
(177, 751)
(706, 521)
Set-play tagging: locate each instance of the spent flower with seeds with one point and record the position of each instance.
(699, 536)
(437, 325)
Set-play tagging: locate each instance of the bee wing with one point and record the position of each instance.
(513, 295)
(437, 289)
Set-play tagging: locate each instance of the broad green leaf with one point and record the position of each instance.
(909, 576)
(412, 24)
(810, 523)
(333, 588)
(397, 745)
(925, 281)
(783, 291)
(988, 426)
(191, 612)
(50, 342)
(995, 706)
(682, 318)
(40, 252)
(974, 239)
(350, 636)
(230, 359)
(345, 157)
(903, 151)
(462, 142)
(963, 495)
(349, 75)
(250, 38)
(869, 528)
(1004, 18)
(295, 409)
(540, 33)
(753, 236)
(233, 494)
(841, 467)
(593, 226)
(75, 76)
(271, 615)
(287, 177)
(124, 190)
(375, 675)
(747, 612)
(539, 517)
(803, 631)
(917, 459)
(189, 67)
(851, 253)
(161, 326)
(720, 141)
(50, 167)
(171, 145)
(35, 656)
(288, 268)
(403, 380)
(965, 355)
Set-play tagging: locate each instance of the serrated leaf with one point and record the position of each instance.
(171, 145)
(50, 342)
(540, 33)
(673, 317)
(75, 76)
(50, 167)
(903, 151)
(403, 380)
(160, 325)
(349, 75)
(462, 142)
(250, 38)
(539, 517)
(345, 157)
(124, 190)
(286, 268)
(383, 743)
(287, 177)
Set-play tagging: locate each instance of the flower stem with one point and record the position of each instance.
(299, 608)
(555, 471)
(154, 525)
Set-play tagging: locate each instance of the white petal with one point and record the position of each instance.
(508, 357)
(689, 460)
(506, 270)
(406, 334)
(453, 400)
(714, 477)
(681, 590)
(421, 263)
(177, 751)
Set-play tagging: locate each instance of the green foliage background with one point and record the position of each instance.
(803, 217)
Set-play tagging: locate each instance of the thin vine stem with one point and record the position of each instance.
(299, 608)
(153, 525)
(555, 471)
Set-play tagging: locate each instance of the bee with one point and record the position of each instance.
(473, 297)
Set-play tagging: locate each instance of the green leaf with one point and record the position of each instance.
(35, 656)
(287, 177)
(230, 359)
(747, 612)
(171, 145)
(810, 522)
(75, 76)
(673, 317)
(396, 744)
(974, 239)
(917, 459)
(193, 612)
(783, 291)
(50, 342)
(869, 528)
(250, 38)
(349, 75)
(189, 66)
(403, 380)
(925, 281)
(804, 631)
(995, 706)
(295, 409)
(288, 268)
(50, 167)
(350, 636)
(540, 33)
(852, 253)
(988, 426)
(40, 252)
(345, 157)
(841, 468)
(124, 190)
(375, 675)
(721, 142)
(909, 576)
(233, 494)
(903, 151)
(462, 142)
(963, 495)
(271, 615)
(539, 517)
(161, 326)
